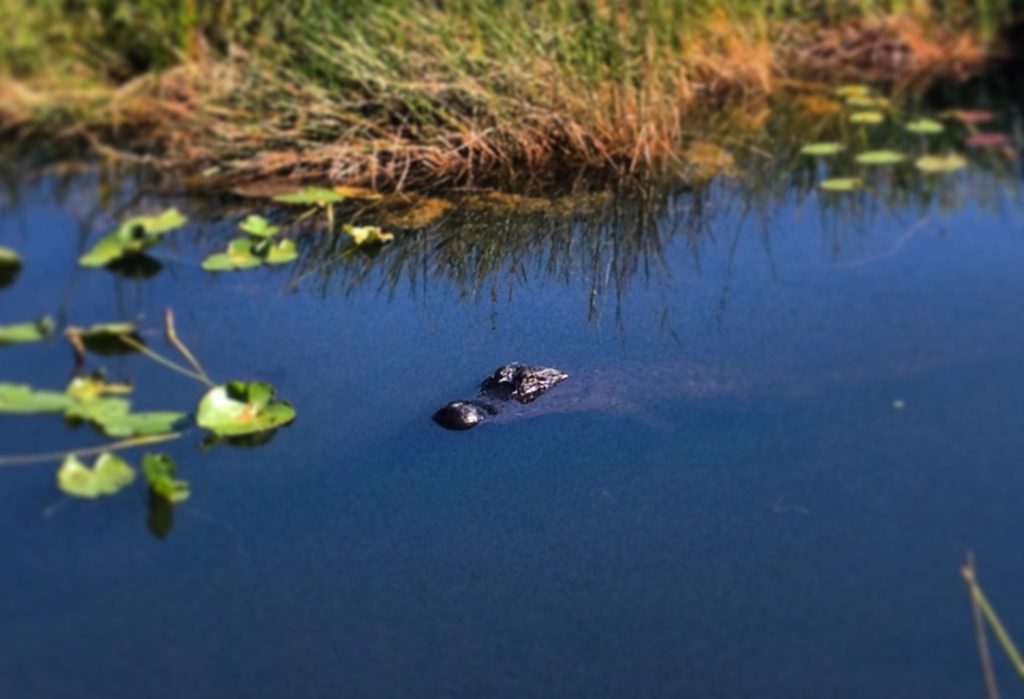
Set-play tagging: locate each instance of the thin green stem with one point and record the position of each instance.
(978, 597)
(133, 442)
(174, 341)
(160, 359)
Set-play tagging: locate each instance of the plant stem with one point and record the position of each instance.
(978, 597)
(160, 359)
(133, 442)
(174, 341)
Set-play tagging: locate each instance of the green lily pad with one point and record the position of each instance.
(867, 102)
(320, 196)
(821, 149)
(160, 471)
(10, 266)
(132, 237)
(239, 255)
(108, 475)
(259, 227)
(866, 117)
(939, 164)
(841, 184)
(852, 91)
(23, 399)
(925, 126)
(114, 417)
(368, 235)
(241, 407)
(88, 388)
(20, 333)
(284, 251)
(880, 157)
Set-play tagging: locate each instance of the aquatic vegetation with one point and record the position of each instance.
(984, 614)
(10, 266)
(132, 237)
(938, 164)
(869, 117)
(317, 196)
(31, 331)
(256, 250)
(925, 126)
(880, 157)
(109, 475)
(824, 148)
(23, 399)
(161, 473)
(841, 184)
(241, 408)
(368, 235)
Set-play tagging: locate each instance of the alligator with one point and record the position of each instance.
(511, 382)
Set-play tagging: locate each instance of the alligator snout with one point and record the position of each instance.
(518, 382)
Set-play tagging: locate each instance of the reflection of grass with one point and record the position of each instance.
(401, 91)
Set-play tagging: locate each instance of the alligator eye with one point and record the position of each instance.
(460, 415)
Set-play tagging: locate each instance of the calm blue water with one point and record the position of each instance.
(797, 537)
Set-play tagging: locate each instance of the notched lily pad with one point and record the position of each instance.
(822, 149)
(239, 255)
(841, 184)
(925, 126)
(161, 473)
(32, 331)
(319, 196)
(259, 227)
(941, 164)
(856, 90)
(880, 157)
(368, 235)
(240, 407)
(132, 237)
(281, 252)
(108, 475)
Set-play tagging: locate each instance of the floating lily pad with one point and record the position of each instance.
(32, 331)
(867, 102)
(880, 157)
(358, 193)
(841, 184)
(939, 164)
(105, 338)
(283, 251)
(320, 196)
(368, 235)
(10, 266)
(161, 473)
(239, 255)
(22, 398)
(241, 407)
(871, 117)
(821, 149)
(132, 237)
(972, 116)
(89, 388)
(108, 475)
(114, 417)
(988, 139)
(925, 126)
(852, 91)
(259, 227)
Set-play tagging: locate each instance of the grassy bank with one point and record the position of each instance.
(410, 92)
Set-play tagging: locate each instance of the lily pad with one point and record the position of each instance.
(866, 117)
(88, 388)
(867, 102)
(108, 475)
(114, 417)
(132, 237)
(239, 255)
(358, 193)
(852, 91)
(320, 196)
(23, 399)
(841, 184)
(821, 149)
(241, 407)
(925, 126)
(284, 251)
(368, 235)
(105, 338)
(10, 266)
(259, 227)
(940, 164)
(161, 473)
(32, 331)
(988, 139)
(880, 157)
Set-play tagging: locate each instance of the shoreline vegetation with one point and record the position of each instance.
(417, 94)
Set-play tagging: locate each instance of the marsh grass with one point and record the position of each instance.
(457, 92)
